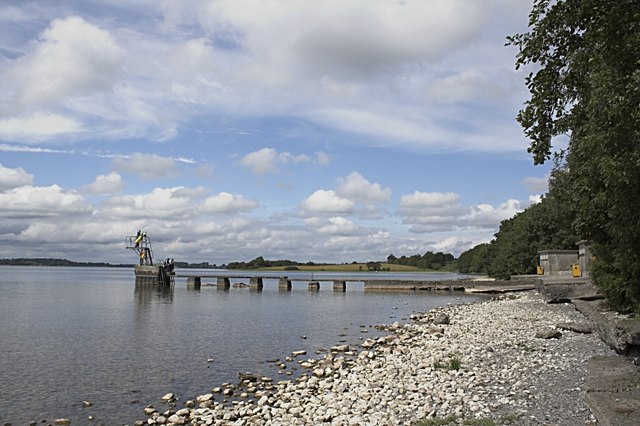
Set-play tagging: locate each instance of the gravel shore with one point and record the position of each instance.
(513, 360)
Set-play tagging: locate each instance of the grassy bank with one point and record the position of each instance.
(350, 267)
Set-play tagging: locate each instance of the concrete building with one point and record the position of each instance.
(558, 262)
(567, 262)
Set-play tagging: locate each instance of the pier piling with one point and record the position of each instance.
(223, 283)
(284, 284)
(193, 283)
(255, 283)
(339, 286)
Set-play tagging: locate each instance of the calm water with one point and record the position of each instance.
(74, 334)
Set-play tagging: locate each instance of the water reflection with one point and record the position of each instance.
(146, 294)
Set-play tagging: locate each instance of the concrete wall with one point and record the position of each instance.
(558, 262)
(584, 257)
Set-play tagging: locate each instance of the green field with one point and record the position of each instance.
(349, 267)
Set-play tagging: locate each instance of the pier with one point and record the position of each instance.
(339, 283)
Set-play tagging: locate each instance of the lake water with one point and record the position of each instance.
(73, 334)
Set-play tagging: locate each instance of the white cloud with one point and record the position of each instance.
(267, 160)
(14, 178)
(322, 158)
(446, 245)
(343, 37)
(486, 215)
(72, 57)
(356, 188)
(105, 184)
(536, 185)
(210, 78)
(430, 211)
(466, 85)
(37, 202)
(363, 66)
(338, 226)
(323, 201)
(37, 127)
(147, 166)
(261, 161)
(175, 203)
(225, 203)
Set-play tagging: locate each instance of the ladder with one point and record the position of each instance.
(141, 244)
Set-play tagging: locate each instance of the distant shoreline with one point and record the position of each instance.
(337, 267)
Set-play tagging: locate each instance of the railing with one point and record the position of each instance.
(141, 244)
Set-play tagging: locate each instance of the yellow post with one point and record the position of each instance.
(575, 270)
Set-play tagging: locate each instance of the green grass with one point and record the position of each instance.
(348, 267)
(453, 363)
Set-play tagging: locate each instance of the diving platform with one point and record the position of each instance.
(146, 272)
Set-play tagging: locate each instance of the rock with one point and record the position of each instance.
(205, 397)
(250, 377)
(582, 327)
(442, 319)
(340, 348)
(176, 419)
(298, 353)
(169, 397)
(548, 334)
(87, 404)
(62, 422)
(492, 367)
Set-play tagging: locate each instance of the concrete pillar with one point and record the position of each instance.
(584, 257)
(339, 286)
(314, 286)
(284, 284)
(223, 283)
(193, 283)
(255, 283)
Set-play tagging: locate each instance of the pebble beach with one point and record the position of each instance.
(510, 360)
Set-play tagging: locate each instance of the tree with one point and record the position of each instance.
(587, 86)
(374, 266)
(542, 226)
(475, 260)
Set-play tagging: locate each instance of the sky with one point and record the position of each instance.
(325, 131)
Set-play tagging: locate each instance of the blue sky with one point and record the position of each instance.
(228, 129)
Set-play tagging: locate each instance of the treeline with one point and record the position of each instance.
(429, 260)
(546, 225)
(261, 262)
(64, 262)
(54, 262)
(584, 84)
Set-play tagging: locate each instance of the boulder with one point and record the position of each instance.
(577, 327)
(549, 333)
(442, 319)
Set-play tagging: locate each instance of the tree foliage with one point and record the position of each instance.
(475, 260)
(586, 85)
(514, 251)
(429, 260)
